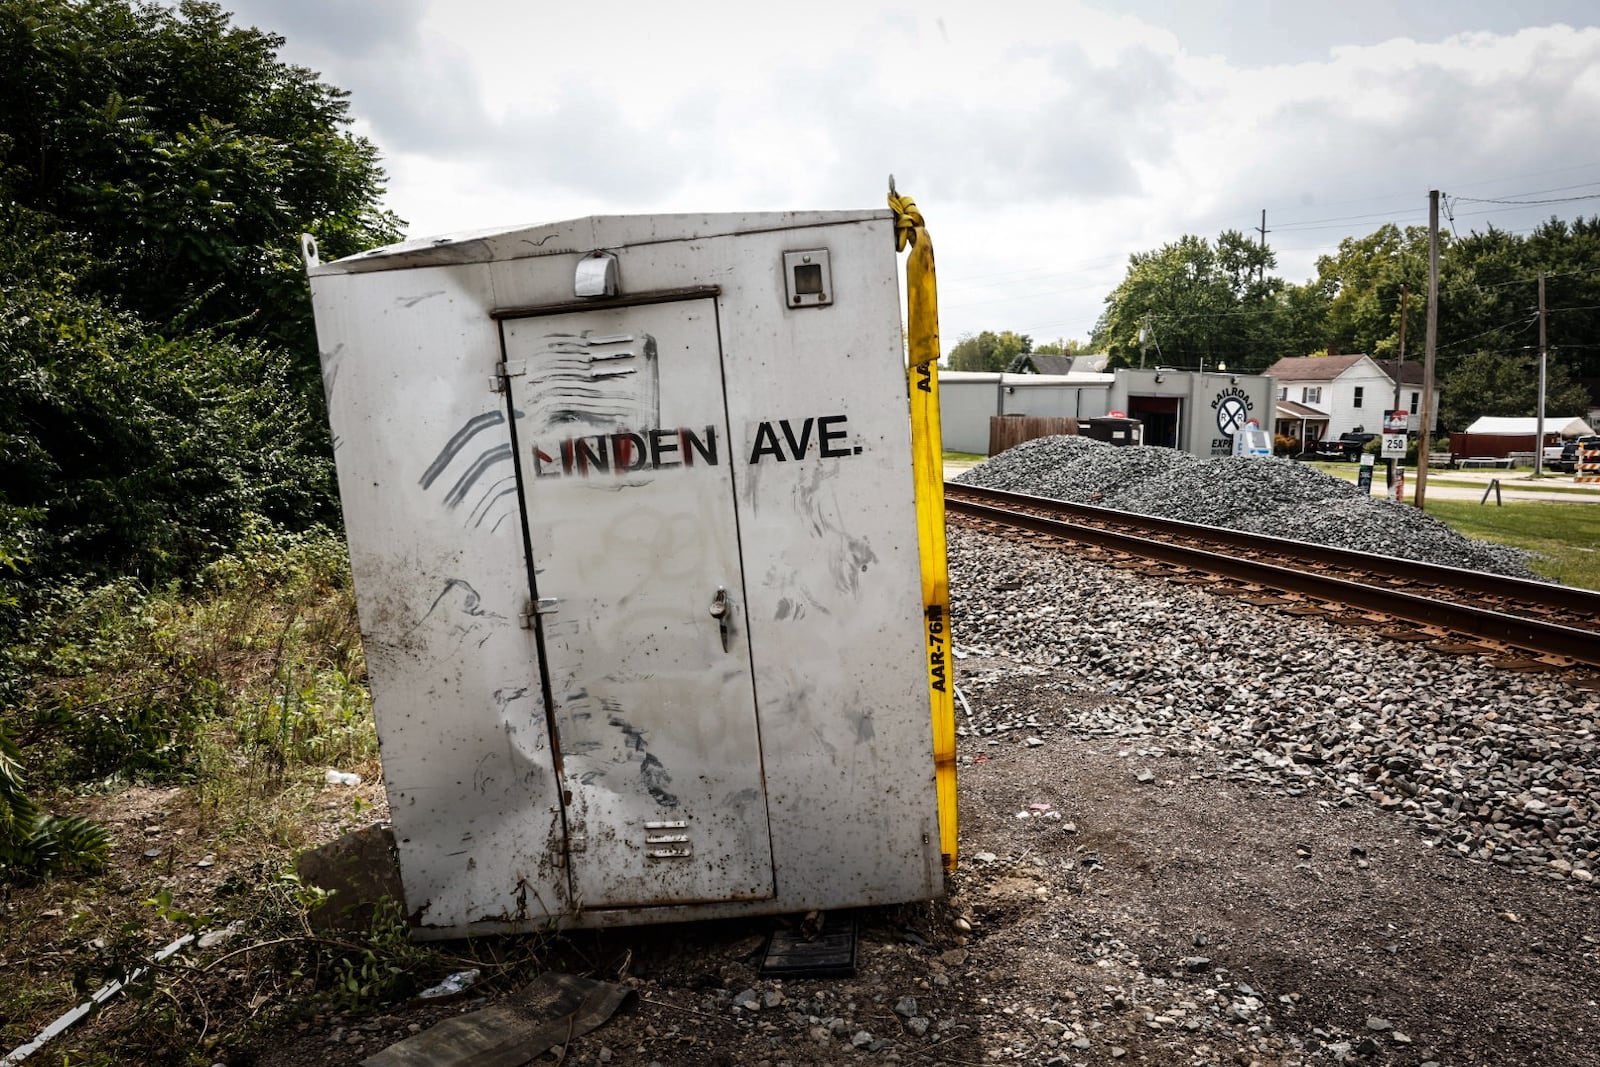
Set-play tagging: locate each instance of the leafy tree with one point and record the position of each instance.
(1362, 282)
(1299, 320)
(158, 370)
(1196, 304)
(989, 351)
(126, 453)
(1487, 294)
(159, 382)
(1492, 383)
(188, 157)
(1490, 296)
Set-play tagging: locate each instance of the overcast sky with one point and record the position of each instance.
(1044, 141)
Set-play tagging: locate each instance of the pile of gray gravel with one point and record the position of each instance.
(1277, 497)
(1499, 768)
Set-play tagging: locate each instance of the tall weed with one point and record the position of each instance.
(235, 684)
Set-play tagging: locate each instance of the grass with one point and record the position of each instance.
(963, 457)
(1519, 483)
(196, 724)
(1565, 538)
(1521, 479)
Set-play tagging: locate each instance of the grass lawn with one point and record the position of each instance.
(1517, 483)
(1550, 483)
(963, 457)
(1566, 537)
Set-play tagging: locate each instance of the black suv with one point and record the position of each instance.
(1568, 462)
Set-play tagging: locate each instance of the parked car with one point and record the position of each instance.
(1567, 462)
(1346, 447)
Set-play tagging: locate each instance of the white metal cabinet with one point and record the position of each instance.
(521, 741)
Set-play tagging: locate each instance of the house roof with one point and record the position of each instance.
(1312, 368)
(1094, 362)
(1290, 409)
(1091, 361)
(1527, 427)
(1410, 370)
(1051, 364)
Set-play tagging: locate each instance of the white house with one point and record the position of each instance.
(1350, 392)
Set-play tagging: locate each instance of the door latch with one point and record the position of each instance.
(719, 611)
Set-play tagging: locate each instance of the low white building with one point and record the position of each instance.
(968, 398)
(1197, 412)
(1350, 393)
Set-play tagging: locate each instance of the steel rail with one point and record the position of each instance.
(1546, 638)
(1581, 602)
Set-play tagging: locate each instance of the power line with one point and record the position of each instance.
(1557, 189)
(1496, 329)
(1552, 200)
(1317, 224)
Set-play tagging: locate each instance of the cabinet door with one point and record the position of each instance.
(626, 485)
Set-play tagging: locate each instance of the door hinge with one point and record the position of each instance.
(504, 371)
(543, 606)
(576, 841)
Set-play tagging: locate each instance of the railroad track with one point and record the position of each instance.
(1516, 623)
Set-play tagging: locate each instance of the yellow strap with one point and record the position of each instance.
(927, 465)
(907, 224)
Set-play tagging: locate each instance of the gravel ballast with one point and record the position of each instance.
(1495, 766)
(1231, 904)
(1271, 496)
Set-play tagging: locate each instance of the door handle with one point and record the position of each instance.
(719, 611)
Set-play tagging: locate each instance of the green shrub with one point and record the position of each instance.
(126, 683)
(34, 844)
(129, 454)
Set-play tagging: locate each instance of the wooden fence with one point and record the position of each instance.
(1007, 431)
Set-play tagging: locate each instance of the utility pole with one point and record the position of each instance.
(1430, 345)
(1538, 433)
(1261, 270)
(1144, 338)
(1399, 375)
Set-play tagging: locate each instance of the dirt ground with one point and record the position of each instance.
(1120, 904)
(1115, 903)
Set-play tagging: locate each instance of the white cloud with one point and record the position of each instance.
(1044, 143)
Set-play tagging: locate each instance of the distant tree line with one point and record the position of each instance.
(1197, 303)
(996, 352)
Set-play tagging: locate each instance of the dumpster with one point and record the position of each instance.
(1114, 430)
(632, 524)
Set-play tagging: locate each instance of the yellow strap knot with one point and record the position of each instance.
(907, 221)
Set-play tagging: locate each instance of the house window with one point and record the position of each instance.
(1283, 392)
(1414, 408)
(1311, 394)
(1360, 389)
